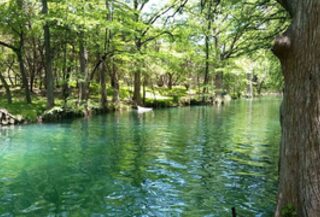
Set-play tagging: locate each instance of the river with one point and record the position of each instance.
(191, 161)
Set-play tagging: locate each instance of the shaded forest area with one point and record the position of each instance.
(105, 54)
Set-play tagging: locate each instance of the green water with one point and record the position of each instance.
(197, 161)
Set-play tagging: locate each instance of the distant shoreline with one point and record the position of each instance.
(58, 114)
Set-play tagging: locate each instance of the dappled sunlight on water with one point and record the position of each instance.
(197, 161)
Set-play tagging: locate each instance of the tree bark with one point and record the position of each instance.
(207, 51)
(83, 58)
(23, 72)
(20, 53)
(115, 83)
(144, 89)
(137, 87)
(137, 78)
(9, 75)
(218, 83)
(299, 52)
(7, 88)
(170, 80)
(33, 64)
(250, 85)
(206, 73)
(48, 59)
(103, 84)
(66, 71)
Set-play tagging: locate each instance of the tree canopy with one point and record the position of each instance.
(81, 52)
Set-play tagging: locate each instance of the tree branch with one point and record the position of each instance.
(176, 11)
(8, 46)
(156, 36)
(162, 12)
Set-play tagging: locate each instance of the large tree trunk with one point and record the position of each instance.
(299, 52)
(48, 59)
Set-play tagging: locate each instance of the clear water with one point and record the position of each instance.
(197, 161)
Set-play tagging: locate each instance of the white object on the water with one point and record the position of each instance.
(143, 109)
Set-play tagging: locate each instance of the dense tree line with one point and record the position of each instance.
(67, 49)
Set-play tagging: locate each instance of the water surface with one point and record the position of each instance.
(197, 161)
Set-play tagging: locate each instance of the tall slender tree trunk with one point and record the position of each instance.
(137, 79)
(103, 83)
(7, 88)
(48, 59)
(66, 70)
(83, 83)
(299, 52)
(9, 70)
(144, 89)
(218, 83)
(115, 83)
(20, 54)
(137, 73)
(9, 76)
(206, 73)
(137, 87)
(250, 84)
(33, 65)
(209, 15)
(23, 72)
(65, 86)
(205, 90)
(170, 81)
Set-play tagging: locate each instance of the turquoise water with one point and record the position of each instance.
(197, 161)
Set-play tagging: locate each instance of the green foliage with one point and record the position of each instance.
(29, 111)
(125, 93)
(165, 42)
(160, 103)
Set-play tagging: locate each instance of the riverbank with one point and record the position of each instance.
(37, 112)
(157, 98)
